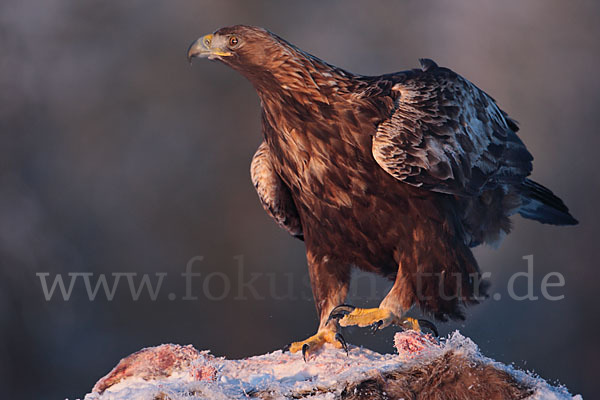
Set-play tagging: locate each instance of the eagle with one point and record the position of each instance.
(400, 175)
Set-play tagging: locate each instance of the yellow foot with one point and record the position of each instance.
(314, 343)
(377, 318)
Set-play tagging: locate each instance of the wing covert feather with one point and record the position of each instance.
(447, 135)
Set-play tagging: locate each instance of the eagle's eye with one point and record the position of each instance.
(233, 41)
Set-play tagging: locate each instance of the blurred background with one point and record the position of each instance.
(117, 156)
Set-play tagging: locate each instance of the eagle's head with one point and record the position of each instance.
(265, 59)
(273, 65)
(244, 48)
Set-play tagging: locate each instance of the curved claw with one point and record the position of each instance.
(342, 341)
(429, 325)
(375, 326)
(340, 312)
(286, 348)
(305, 347)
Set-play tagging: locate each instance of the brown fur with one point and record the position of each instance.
(450, 377)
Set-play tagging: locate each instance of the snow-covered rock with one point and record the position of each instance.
(424, 368)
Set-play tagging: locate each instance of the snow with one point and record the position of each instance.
(283, 374)
(543, 390)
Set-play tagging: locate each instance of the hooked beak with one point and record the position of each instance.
(207, 47)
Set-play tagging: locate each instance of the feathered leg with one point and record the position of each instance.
(440, 279)
(329, 281)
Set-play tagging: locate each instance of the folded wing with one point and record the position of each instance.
(274, 194)
(447, 135)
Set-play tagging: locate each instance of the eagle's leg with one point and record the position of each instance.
(377, 318)
(390, 311)
(329, 281)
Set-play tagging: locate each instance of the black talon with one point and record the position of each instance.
(340, 312)
(305, 347)
(340, 338)
(375, 326)
(429, 325)
(286, 348)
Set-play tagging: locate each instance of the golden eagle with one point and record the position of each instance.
(399, 174)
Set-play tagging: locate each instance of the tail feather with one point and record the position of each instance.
(540, 204)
